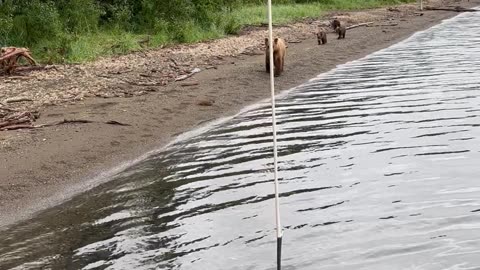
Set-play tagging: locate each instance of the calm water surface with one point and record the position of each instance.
(380, 168)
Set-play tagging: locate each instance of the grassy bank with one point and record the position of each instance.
(83, 30)
(284, 13)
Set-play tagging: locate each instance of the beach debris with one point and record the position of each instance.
(113, 122)
(16, 99)
(80, 121)
(206, 102)
(383, 25)
(456, 9)
(189, 84)
(358, 25)
(186, 76)
(133, 82)
(9, 57)
(13, 120)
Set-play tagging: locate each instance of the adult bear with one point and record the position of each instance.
(279, 51)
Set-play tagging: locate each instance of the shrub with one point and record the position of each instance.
(33, 22)
(79, 16)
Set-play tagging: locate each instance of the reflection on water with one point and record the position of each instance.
(379, 168)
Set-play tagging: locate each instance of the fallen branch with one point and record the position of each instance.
(33, 68)
(25, 121)
(13, 122)
(7, 110)
(16, 77)
(358, 25)
(383, 25)
(189, 84)
(184, 77)
(206, 102)
(455, 9)
(251, 53)
(132, 82)
(145, 83)
(80, 121)
(15, 127)
(20, 115)
(17, 99)
(65, 121)
(113, 122)
(14, 119)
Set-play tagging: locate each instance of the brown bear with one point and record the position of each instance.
(335, 23)
(321, 36)
(279, 51)
(339, 28)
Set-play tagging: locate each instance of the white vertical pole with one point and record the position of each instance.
(274, 129)
(421, 4)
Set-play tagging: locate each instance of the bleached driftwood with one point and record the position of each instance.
(9, 57)
(358, 25)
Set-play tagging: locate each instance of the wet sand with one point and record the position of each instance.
(43, 167)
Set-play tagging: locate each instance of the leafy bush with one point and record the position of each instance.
(6, 25)
(33, 22)
(79, 16)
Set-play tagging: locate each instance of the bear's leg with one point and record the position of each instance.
(282, 61)
(278, 66)
(267, 65)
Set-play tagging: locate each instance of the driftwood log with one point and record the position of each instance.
(11, 119)
(456, 9)
(9, 57)
(358, 25)
(25, 120)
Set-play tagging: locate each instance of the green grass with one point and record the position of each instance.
(90, 46)
(256, 15)
(285, 13)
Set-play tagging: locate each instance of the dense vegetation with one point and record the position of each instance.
(79, 30)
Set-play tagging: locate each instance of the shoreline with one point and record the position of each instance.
(41, 168)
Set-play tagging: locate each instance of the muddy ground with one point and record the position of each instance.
(41, 167)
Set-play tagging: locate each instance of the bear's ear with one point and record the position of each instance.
(276, 40)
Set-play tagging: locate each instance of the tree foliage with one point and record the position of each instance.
(53, 26)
